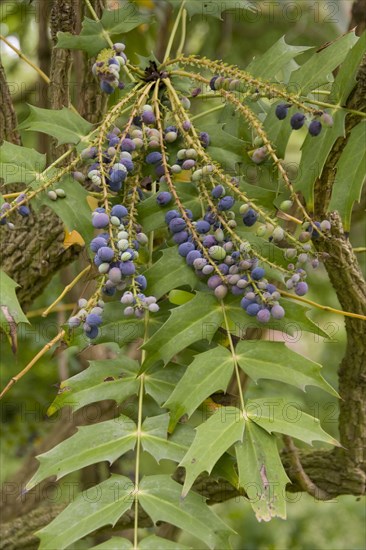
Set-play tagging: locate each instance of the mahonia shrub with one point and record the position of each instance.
(196, 235)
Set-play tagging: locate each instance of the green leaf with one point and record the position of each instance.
(115, 543)
(294, 323)
(345, 80)
(154, 543)
(109, 379)
(11, 313)
(261, 473)
(350, 175)
(100, 505)
(275, 361)
(209, 372)
(315, 72)
(277, 415)
(159, 382)
(20, 164)
(168, 272)
(93, 34)
(314, 153)
(160, 497)
(224, 428)
(78, 219)
(211, 8)
(155, 439)
(64, 124)
(104, 441)
(268, 65)
(198, 319)
(224, 148)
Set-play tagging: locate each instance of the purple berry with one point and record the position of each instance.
(74, 322)
(250, 217)
(218, 191)
(105, 253)
(205, 139)
(177, 225)
(119, 211)
(148, 117)
(192, 256)
(128, 164)
(281, 110)
(258, 273)
(24, 210)
(185, 248)
(226, 203)
(154, 158)
(277, 312)
(106, 87)
(212, 82)
(100, 220)
(315, 127)
(141, 281)
(209, 241)
(164, 198)
(263, 315)
(214, 281)
(97, 243)
(170, 215)
(128, 145)
(297, 121)
(202, 226)
(252, 309)
(180, 237)
(301, 288)
(93, 320)
(127, 268)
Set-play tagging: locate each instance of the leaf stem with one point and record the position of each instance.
(319, 306)
(332, 106)
(232, 349)
(26, 59)
(199, 115)
(184, 31)
(174, 32)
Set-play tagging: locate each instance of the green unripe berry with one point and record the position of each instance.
(219, 235)
(122, 244)
(52, 195)
(125, 256)
(290, 253)
(122, 235)
(278, 234)
(244, 208)
(103, 268)
(197, 175)
(217, 252)
(115, 221)
(181, 155)
(261, 231)
(60, 193)
(285, 206)
(176, 169)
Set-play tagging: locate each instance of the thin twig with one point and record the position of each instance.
(319, 306)
(66, 290)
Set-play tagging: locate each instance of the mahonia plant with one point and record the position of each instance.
(172, 212)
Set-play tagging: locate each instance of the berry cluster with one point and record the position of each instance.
(298, 119)
(90, 321)
(108, 66)
(22, 209)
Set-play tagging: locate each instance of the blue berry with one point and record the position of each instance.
(141, 281)
(164, 198)
(91, 332)
(258, 273)
(24, 210)
(315, 128)
(263, 315)
(297, 121)
(127, 268)
(192, 256)
(180, 237)
(226, 203)
(119, 211)
(97, 243)
(154, 158)
(170, 215)
(106, 254)
(100, 220)
(250, 217)
(205, 139)
(281, 110)
(301, 288)
(185, 248)
(128, 164)
(218, 191)
(212, 82)
(202, 226)
(93, 320)
(177, 225)
(106, 87)
(252, 309)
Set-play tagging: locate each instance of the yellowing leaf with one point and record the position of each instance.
(73, 238)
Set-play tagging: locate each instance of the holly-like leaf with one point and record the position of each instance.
(159, 382)
(104, 441)
(160, 497)
(196, 320)
(65, 125)
(210, 8)
(20, 164)
(101, 505)
(94, 34)
(153, 543)
(108, 379)
(168, 272)
(350, 175)
(268, 65)
(224, 428)
(261, 473)
(75, 218)
(11, 313)
(224, 148)
(275, 361)
(209, 372)
(277, 415)
(345, 80)
(294, 323)
(117, 543)
(156, 442)
(314, 153)
(316, 71)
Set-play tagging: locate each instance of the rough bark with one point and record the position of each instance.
(8, 119)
